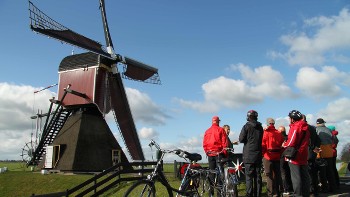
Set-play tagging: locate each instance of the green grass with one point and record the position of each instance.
(21, 181)
(342, 169)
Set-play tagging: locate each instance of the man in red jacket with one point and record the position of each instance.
(272, 149)
(215, 139)
(298, 137)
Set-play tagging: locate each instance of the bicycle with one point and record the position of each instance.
(224, 178)
(146, 187)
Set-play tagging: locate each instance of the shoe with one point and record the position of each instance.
(286, 193)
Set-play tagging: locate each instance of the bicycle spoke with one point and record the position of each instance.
(141, 188)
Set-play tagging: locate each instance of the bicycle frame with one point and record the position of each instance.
(158, 175)
(225, 179)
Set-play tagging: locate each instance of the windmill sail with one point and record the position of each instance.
(108, 38)
(41, 23)
(124, 117)
(139, 71)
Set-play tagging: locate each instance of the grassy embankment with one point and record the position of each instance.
(21, 181)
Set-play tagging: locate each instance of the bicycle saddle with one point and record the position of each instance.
(190, 156)
(194, 156)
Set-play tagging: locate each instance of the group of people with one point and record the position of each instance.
(310, 170)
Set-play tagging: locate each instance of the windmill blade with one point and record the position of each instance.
(125, 121)
(139, 71)
(41, 23)
(108, 38)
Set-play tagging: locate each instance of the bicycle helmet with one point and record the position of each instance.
(295, 115)
(251, 114)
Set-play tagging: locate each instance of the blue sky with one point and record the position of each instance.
(214, 58)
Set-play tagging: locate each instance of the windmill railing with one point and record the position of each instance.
(51, 129)
(103, 181)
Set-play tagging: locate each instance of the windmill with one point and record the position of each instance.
(90, 86)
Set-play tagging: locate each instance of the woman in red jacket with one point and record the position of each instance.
(298, 137)
(272, 150)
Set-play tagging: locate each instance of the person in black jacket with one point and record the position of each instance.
(251, 136)
(287, 186)
(314, 145)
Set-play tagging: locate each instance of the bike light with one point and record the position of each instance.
(231, 171)
(240, 167)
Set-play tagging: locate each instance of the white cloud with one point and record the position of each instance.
(148, 133)
(323, 83)
(144, 109)
(17, 104)
(329, 34)
(316, 83)
(336, 111)
(220, 92)
(266, 81)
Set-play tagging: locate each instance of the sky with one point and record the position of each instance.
(214, 58)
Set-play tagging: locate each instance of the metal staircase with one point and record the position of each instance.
(51, 129)
(49, 133)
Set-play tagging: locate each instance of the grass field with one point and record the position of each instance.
(21, 181)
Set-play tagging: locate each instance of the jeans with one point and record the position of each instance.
(253, 179)
(300, 179)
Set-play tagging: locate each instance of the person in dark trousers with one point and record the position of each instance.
(251, 136)
(314, 145)
(272, 150)
(327, 174)
(298, 137)
(335, 153)
(215, 140)
(287, 186)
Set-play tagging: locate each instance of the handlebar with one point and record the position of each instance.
(231, 150)
(181, 153)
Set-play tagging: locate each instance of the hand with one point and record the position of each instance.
(317, 150)
(284, 144)
(235, 142)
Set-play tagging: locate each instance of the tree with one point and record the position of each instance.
(345, 153)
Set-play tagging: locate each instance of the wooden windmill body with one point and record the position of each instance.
(90, 86)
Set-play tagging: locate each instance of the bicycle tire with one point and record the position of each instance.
(233, 192)
(191, 184)
(204, 185)
(141, 188)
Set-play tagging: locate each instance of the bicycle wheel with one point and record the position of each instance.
(204, 185)
(231, 189)
(141, 188)
(191, 184)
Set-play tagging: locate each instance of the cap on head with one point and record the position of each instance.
(215, 118)
(295, 115)
(270, 121)
(320, 121)
(252, 114)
